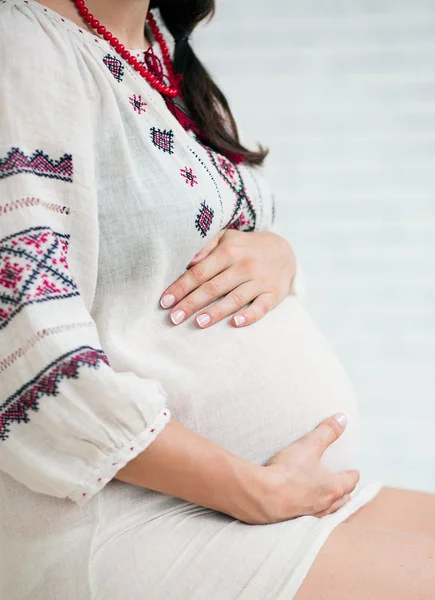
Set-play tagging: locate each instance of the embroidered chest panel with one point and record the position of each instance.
(163, 187)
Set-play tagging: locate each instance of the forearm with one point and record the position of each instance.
(181, 463)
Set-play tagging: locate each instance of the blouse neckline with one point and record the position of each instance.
(82, 33)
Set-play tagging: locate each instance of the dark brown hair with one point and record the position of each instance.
(205, 102)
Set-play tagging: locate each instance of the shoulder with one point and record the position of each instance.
(36, 47)
(41, 84)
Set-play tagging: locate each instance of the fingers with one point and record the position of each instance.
(337, 493)
(193, 278)
(347, 480)
(233, 301)
(334, 507)
(207, 249)
(255, 311)
(327, 432)
(219, 286)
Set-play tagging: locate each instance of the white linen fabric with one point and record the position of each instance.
(104, 200)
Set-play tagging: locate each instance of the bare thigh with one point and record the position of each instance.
(364, 564)
(394, 509)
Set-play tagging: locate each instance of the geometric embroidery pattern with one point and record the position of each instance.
(204, 219)
(115, 66)
(162, 139)
(33, 268)
(137, 104)
(227, 167)
(244, 216)
(210, 174)
(38, 163)
(16, 408)
(189, 176)
(239, 223)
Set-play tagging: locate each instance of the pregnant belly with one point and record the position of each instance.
(257, 389)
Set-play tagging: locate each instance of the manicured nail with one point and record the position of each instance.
(341, 419)
(177, 316)
(167, 300)
(239, 320)
(203, 319)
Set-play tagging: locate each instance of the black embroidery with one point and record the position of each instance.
(38, 163)
(163, 139)
(115, 66)
(33, 268)
(16, 408)
(204, 219)
(138, 104)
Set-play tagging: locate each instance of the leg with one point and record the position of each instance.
(362, 563)
(394, 509)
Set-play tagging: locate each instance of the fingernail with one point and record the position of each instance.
(203, 319)
(341, 419)
(239, 319)
(167, 300)
(177, 316)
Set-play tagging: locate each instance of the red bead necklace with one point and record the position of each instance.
(171, 91)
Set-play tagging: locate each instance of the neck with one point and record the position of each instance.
(124, 18)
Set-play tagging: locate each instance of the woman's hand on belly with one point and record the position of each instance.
(300, 484)
(182, 463)
(256, 267)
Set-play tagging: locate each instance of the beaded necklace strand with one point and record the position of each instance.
(167, 90)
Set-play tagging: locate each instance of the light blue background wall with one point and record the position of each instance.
(343, 92)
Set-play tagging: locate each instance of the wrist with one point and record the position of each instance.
(262, 497)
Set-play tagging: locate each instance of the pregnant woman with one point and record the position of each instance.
(171, 420)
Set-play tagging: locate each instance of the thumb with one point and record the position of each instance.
(327, 432)
(207, 249)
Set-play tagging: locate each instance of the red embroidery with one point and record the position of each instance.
(227, 168)
(115, 66)
(189, 176)
(244, 216)
(137, 104)
(38, 163)
(33, 268)
(204, 219)
(163, 140)
(26, 202)
(16, 408)
(240, 223)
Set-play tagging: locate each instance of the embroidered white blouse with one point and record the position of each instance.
(99, 183)
(104, 200)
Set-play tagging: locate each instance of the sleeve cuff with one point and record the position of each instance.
(106, 472)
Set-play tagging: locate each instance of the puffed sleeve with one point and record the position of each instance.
(68, 421)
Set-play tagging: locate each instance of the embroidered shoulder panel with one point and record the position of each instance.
(33, 268)
(17, 407)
